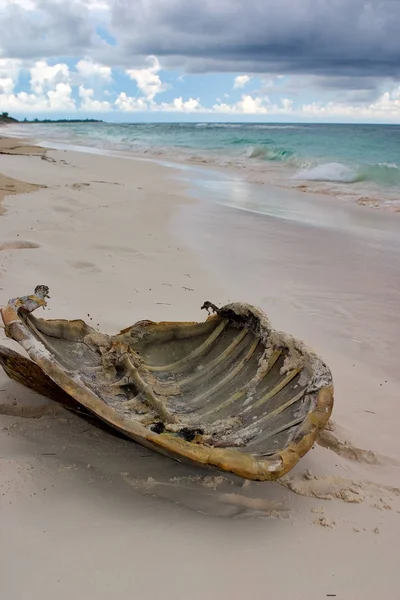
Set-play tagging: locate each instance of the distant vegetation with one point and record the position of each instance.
(5, 118)
(63, 121)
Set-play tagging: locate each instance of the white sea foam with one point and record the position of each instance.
(277, 127)
(328, 172)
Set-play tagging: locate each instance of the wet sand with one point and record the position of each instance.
(86, 514)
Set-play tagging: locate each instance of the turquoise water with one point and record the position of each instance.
(359, 162)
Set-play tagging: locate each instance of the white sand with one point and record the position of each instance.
(119, 240)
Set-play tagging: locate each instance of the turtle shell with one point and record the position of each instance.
(229, 393)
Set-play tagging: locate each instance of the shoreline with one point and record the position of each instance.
(271, 201)
(263, 174)
(119, 240)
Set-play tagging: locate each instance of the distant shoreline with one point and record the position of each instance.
(7, 120)
(36, 121)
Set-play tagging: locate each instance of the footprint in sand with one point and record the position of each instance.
(108, 182)
(120, 250)
(48, 158)
(18, 245)
(63, 209)
(78, 186)
(85, 266)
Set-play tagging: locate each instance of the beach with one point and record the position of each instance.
(357, 164)
(118, 239)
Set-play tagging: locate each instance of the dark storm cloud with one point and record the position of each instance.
(55, 28)
(320, 37)
(344, 39)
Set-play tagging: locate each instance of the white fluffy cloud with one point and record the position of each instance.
(127, 103)
(90, 104)
(179, 105)
(6, 85)
(44, 76)
(148, 80)
(88, 69)
(249, 105)
(386, 107)
(240, 81)
(61, 88)
(9, 73)
(52, 87)
(58, 99)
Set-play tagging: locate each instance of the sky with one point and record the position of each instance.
(208, 60)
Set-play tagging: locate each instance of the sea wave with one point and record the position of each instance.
(268, 153)
(246, 126)
(381, 173)
(252, 126)
(219, 125)
(328, 172)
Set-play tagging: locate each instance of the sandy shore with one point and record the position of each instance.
(120, 240)
(8, 185)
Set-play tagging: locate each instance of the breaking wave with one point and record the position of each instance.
(328, 172)
(381, 173)
(268, 153)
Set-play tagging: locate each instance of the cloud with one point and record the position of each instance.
(39, 29)
(27, 4)
(89, 104)
(88, 69)
(9, 73)
(6, 85)
(148, 80)
(58, 99)
(255, 105)
(349, 38)
(346, 51)
(23, 102)
(339, 58)
(321, 37)
(127, 103)
(179, 105)
(54, 90)
(10, 68)
(240, 81)
(44, 76)
(386, 107)
(247, 105)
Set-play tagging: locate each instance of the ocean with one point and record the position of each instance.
(358, 163)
